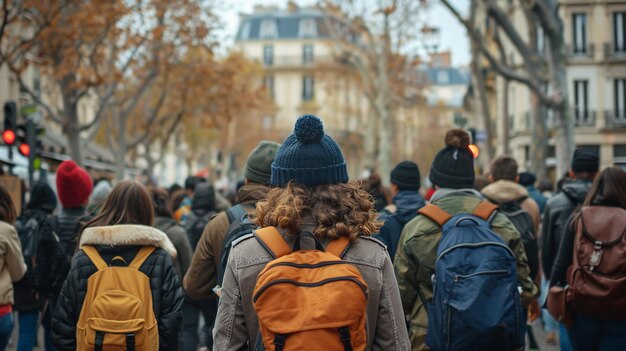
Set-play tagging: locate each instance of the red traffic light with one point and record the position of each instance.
(474, 149)
(8, 136)
(24, 149)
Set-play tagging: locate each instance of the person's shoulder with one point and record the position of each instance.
(248, 251)
(6, 227)
(368, 251)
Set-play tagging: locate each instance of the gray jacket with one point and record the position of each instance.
(237, 323)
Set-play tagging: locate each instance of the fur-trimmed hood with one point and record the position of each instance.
(127, 235)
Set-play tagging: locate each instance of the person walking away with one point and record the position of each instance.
(452, 173)
(164, 222)
(120, 245)
(101, 190)
(312, 205)
(405, 186)
(59, 237)
(515, 202)
(583, 170)
(202, 211)
(12, 266)
(209, 258)
(595, 269)
(28, 300)
(528, 180)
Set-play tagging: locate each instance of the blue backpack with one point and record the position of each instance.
(476, 302)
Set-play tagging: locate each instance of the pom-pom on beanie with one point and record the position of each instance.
(453, 167)
(74, 185)
(406, 176)
(309, 157)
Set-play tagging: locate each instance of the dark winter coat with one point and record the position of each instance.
(202, 209)
(57, 244)
(178, 237)
(124, 241)
(407, 203)
(556, 217)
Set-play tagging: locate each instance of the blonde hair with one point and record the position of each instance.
(343, 209)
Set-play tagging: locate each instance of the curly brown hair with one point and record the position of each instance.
(343, 209)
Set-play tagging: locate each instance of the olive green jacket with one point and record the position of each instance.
(414, 263)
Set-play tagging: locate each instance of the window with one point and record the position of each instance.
(619, 32)
(245, 31)
(620, 98)
(443, 77)
(308, 88)
(307, 28)
(268, 84)
(268, 55)
(307, 53)
(268, 30)
(581, 100)
(579, 21)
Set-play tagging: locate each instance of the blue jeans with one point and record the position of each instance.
(564, 338)
(550, 324)
(6, 328)
(28, 330)
(596, 335)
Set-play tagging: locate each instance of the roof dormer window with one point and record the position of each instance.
(307, 28)
(269, 29)
(245, 31)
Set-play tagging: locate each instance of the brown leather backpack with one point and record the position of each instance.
(597, 276)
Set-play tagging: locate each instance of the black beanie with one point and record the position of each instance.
(453, 167)
(527, 179)
(585, 160)
(42, 197)
(406, 176)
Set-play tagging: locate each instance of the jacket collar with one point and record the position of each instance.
(251, 193)
(445, 192)
(504, 191)
(127, 235)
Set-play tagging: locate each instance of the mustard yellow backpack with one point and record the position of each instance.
(117, 313)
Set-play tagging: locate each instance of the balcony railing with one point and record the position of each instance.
(296, 61)
(615, 119)
(575, 53)
(614, 53)
(585, 118)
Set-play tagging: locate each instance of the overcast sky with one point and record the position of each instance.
(453, 35)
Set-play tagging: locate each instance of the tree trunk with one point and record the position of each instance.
(384, 108)
(371, 139)
(539, 138)
(506, 123)
(120, 153)
(71, 127)
(480, 91)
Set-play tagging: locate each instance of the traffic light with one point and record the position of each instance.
(10, 121)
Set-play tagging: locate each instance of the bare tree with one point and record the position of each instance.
(537, 69)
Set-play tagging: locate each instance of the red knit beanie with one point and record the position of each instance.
(74, 185)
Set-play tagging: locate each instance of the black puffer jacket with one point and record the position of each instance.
(202, 210)
(164, 284)
(57, 244)
(556, 217)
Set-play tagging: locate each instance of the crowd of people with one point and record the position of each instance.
(305, 258)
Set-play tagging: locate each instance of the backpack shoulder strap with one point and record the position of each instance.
(435, 213)
(271, 239)
(338, 247)
(95, 257)
(235, 213)
(485, 210)
(141, 257)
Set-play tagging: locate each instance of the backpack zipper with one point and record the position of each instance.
(461, 276)
(304, 265)
(485, 243)
(309, 285)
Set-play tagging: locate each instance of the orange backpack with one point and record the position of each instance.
(117, 312)
(309, 299)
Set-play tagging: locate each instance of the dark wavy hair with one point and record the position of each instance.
(338, 209)
(609, 189)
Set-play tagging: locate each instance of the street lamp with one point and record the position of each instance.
(430, 39)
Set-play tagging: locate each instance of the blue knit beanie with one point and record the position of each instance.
(309, 157)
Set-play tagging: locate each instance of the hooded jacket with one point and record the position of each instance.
(415, 259)
(504, 191)
(407, 203)
(124, 241)
(237, 323)
(11, 262)
(556, 217)
(202, 208)
(200, 279)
